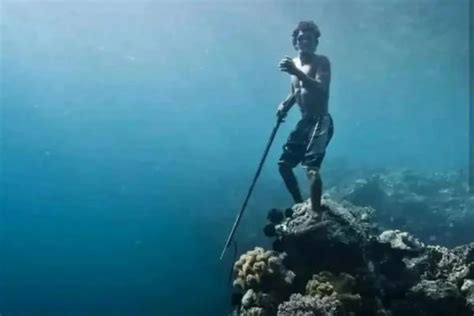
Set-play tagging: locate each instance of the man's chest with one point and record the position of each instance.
(309, 69)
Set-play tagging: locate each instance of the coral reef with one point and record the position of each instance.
(341, 264)
(258, 269)
(342, 285)
(256, 273)
(436, 207)
(306, 305)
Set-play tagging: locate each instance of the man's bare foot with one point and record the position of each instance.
(320, 209)
(313, 221)
(316, 209)
(312, 217)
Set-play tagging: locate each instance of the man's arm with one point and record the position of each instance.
(322, 79)
(286, 105)
(289, 101)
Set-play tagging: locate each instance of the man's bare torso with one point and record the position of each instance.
(311, 103)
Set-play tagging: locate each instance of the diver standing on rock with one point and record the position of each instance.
(310, 77)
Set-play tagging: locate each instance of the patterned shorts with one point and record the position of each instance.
(307, 142)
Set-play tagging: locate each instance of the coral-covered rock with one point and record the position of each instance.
(306, 305)
(263, 280)
(343, 285)
(339, 233)
(257, 303)
(400, 240)
(340, 221)
(438, 298)
(316, 287)
(253, 311)
(468, 291)
(258, 269)
(339, 263)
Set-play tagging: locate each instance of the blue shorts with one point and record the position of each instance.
(307, 143)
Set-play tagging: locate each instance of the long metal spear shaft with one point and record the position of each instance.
(239, 216)
(471, 97)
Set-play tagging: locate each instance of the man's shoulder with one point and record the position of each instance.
(322, 59)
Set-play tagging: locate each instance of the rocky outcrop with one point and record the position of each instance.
(342, 264)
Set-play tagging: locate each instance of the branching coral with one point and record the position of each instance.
(317, 288)
(342, 286)
(257, 266)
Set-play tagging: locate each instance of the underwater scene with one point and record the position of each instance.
(252, 158)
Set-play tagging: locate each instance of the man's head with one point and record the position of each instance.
(306, 37)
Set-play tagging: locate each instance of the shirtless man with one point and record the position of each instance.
(310, 77)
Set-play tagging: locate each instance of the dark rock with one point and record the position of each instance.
(236, 298)
(269, 230)
(277, 245)
(275, 216)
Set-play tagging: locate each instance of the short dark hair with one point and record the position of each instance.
(306, 26)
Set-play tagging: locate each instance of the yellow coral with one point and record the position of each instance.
(252, 258)
(260, 257)
(239, 262)
(259, 266)
(341, 286)
(325, 289)
(267, 254)
(253, 266)
(342, 283)
(247, 268)
(273, 264)
(318, 288)
(253, 280)
(239, 284)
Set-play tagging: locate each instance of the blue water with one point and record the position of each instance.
(130, 132)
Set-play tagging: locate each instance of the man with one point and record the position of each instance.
(310, 77)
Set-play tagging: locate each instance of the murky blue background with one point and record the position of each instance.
(130, 132)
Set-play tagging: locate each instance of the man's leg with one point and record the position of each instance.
(292, 155)
(314, 157)
(315, 187)
(290, 182)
